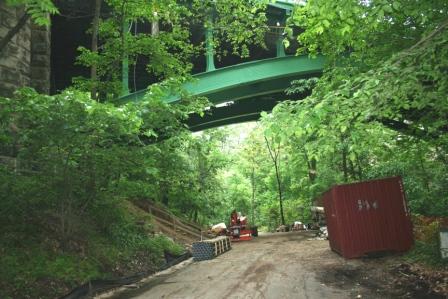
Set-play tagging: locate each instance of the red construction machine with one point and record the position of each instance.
(239, 229)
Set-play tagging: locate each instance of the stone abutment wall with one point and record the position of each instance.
(26, 59)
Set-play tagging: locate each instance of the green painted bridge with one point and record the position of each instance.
(240, 92)
(247, 89)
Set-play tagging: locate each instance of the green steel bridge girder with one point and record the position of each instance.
(233, 113)
(247, 80)
(250, 87)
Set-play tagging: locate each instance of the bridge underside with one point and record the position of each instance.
(237, 112)
(252, 87)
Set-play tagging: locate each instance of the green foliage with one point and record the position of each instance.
(301, 85)
(235, 22)
(23, 269)
(170, 50)
(426, 253)
(71, 165)
(40, 271)
(334, 27)
(380, 107)
(249, 183)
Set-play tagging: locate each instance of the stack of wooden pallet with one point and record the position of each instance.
(208, 249)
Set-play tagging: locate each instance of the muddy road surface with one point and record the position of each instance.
(279, 265)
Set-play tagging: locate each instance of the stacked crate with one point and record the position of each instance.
(208, 249)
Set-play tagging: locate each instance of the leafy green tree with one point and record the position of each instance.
(361, 81)
(274, 147)
(370, 85)
(237, 23)
(169, 51)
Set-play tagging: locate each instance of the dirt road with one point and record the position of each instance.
(281, 265)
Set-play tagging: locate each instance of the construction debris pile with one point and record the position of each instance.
(322, 233)
(219, 229)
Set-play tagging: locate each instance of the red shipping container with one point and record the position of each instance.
(367, 217)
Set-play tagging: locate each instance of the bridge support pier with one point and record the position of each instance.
(280, 51)
(209, 55)
(125, 64)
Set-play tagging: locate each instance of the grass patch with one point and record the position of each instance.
(428, 254)
(34, 263)
(38, 273)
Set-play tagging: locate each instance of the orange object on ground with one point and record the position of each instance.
(239, 229)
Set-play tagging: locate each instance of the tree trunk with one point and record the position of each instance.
(358, 162)
(13, 31)
(312, 167)
(275, 159)
(253, 195)
(426, 179)
(155, 28)
(344, 164)
(124, 56)
(94, 48)
(277, 174)
(352, 169)
(195, 219)
(164, 194)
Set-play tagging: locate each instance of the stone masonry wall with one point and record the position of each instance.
(15, 59)
(40, 58)
(26, 59)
